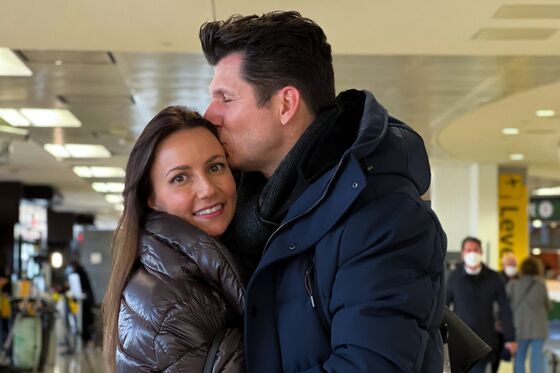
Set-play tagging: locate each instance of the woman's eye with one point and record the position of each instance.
(178, 179)
(226, 99)
(217, 167)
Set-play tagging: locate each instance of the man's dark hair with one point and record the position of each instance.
(470, 239)
(278, 49)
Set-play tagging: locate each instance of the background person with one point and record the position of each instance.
(509, 272)
(175, 295)
(350, 273)
(530, 305)
(472, 291)
(88, 303)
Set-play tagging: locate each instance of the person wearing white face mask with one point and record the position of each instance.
(509, 266)
(472, 290)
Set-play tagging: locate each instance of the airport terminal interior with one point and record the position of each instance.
(79, 80)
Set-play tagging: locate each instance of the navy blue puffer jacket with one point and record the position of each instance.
(352, 280)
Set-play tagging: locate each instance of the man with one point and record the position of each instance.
(472, 290)
(509, 266)
(508, 272)
(350, 259)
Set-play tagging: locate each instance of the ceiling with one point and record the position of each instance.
(458, 72)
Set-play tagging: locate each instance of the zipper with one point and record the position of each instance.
(310, 207)
(311, 285)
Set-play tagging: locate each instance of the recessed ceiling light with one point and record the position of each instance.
(11, 65)
(545, 113)
(51, 117)
(101, 172)
(516, 157)
(510, 131)
(537, 223)
(77, 151)
(14, 118)
(536, 251)
(58, 62)
(108, 187)
(114, 198)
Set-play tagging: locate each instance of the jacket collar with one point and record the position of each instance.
(171, 246)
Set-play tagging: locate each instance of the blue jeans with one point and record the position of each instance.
(537, 356)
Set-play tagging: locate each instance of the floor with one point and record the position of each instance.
(90, 359)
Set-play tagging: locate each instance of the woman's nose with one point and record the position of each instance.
(205, 187)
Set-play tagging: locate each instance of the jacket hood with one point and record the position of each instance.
(385, 145)
(171, 246)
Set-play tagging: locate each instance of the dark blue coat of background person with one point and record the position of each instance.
(473, 298)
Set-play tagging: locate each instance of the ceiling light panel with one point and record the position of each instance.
(545, 113)
(114, 198)
(98, 172)
(14, 118)
(11, 65)
(551, 191)
(108, 187)
(87, 151)
(516, 157)
(77, 151)
(51, 117)
(57, 151)
(510, 131)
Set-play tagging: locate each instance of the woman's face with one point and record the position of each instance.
(192, 180)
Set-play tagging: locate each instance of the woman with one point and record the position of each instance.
(175, 293)
(530, 306)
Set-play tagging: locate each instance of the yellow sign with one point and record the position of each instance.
(513, 216)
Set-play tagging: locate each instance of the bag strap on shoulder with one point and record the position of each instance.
(212, 351)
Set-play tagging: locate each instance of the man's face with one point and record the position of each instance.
(509, 260)
(470, 247)
(251, 135)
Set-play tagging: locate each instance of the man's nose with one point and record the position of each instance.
(212, 114)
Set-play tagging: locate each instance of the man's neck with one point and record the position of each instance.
(294, 133)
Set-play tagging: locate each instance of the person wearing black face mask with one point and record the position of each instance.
(472, 290)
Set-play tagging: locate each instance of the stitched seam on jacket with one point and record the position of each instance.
(137, 316)
(162, 345)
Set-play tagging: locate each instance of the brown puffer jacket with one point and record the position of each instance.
(185, 293)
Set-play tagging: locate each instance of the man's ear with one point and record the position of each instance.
(289, 97)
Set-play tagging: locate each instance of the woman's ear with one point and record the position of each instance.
(152, 203)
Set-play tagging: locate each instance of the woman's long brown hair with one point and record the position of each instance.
(136, 192)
